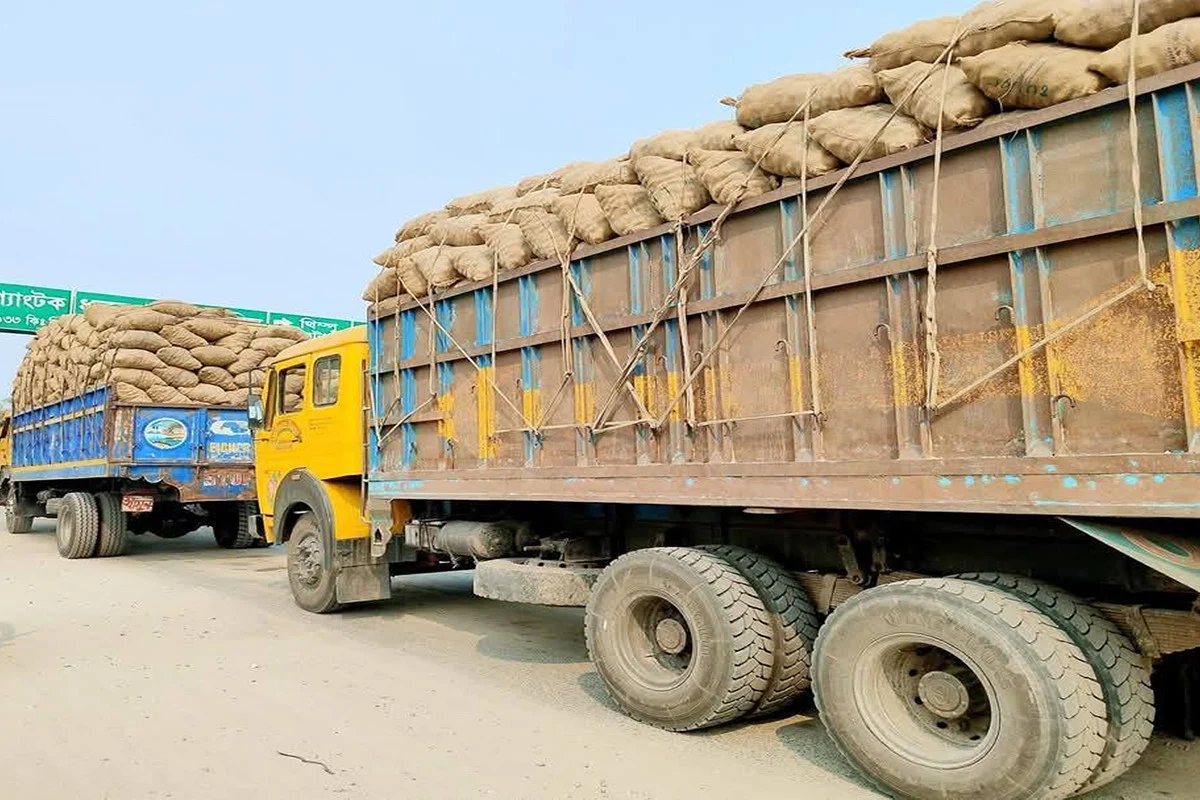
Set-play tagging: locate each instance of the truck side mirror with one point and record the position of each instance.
(255, 413)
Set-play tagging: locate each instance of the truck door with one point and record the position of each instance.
(280, 442)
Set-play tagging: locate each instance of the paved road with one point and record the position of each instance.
(183, 671)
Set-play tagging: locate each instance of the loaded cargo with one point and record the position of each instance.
(916, 430)
(131, 420)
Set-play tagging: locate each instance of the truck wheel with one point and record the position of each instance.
(941, 688)
(78, 526)
(310, 567)
(232, 528)
(12, 522)
(679, 637)
(793, 621)
(1122, 673)
(114, 531)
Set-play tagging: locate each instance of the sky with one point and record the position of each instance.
(258, 154)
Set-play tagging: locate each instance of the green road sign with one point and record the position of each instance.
(85, 299)
(313, 326)
(24, 309)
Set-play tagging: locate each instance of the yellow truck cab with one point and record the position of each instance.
(308, 447)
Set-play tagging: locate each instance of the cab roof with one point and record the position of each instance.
(355, 335)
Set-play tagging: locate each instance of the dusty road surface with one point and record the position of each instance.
(184, 671)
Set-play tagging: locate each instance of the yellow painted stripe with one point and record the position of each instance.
(531, 405)
(445, 405)
(795, 382)
(92, 462)
(486, 410)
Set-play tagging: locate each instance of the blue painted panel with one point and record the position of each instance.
(166, 434)
(226, 437)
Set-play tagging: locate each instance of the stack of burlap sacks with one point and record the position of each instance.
(1007, 54)
(167, 352)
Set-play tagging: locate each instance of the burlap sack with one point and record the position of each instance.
(242, 380)
(401, 250)
(238, 397)
(205, 393)
(995, 24)
(178, 378)
(385, 284)
(168, 395)
(588, 175)
(508, 243)
(271, 345)
(583, 218)
(293, 384)
(384, 308)
(143, 379)
(182, 337)
(781, 148)
(473, 263)
(138, 340)
(292, 402)
(236, 341)
(1168, 47)
(847, 132)
(214, 356)
(480, 202)
(217, 377)
(674, 186)
(282, 332)
(628, 209)
(100, 315)
(208, 328)
(437, 267)
(142, 319)
(175, 308)
(781, 99)
(419, 226)
(535, 182)
(179, 357)
(731, 177)
(922, 41)
(963, 105)
(84, 356)
(1034, 75)
(96, 371)
(507, 211)
(136, 359)
(719, 135)
(128, 393)
(217, 313)
(1103, 23)
(458, 231)
(545, 233)
(247, 360)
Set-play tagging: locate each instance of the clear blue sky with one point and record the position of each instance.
(259, 153)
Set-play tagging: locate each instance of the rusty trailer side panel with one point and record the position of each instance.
(1052, 371)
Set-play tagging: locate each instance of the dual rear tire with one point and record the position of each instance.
(91, 525)
(688, 638)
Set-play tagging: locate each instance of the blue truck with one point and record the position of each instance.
(107, 470)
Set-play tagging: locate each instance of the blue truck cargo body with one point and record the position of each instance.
(204, 453)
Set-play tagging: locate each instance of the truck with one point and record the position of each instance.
(108, 470)
(921, 437)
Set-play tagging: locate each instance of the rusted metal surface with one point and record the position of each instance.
(784, 370)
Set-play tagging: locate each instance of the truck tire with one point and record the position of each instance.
(793, 620)
(114, 527)
(1124, 678)
(310, 567)
(78, 526)
(232, 528)
(680, 638)
(940, 688)
(12, 522)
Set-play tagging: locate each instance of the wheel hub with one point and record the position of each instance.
(671, 636)
(943, 694)
(311, 561)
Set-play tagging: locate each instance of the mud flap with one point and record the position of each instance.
(1177, 557)
(363, 584)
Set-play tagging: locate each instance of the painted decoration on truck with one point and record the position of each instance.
(165, 433)
(228, 439)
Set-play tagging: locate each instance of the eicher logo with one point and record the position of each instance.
(165, 433)
(229, 427)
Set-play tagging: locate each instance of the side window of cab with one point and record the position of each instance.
(291, 389)
(327, 373)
